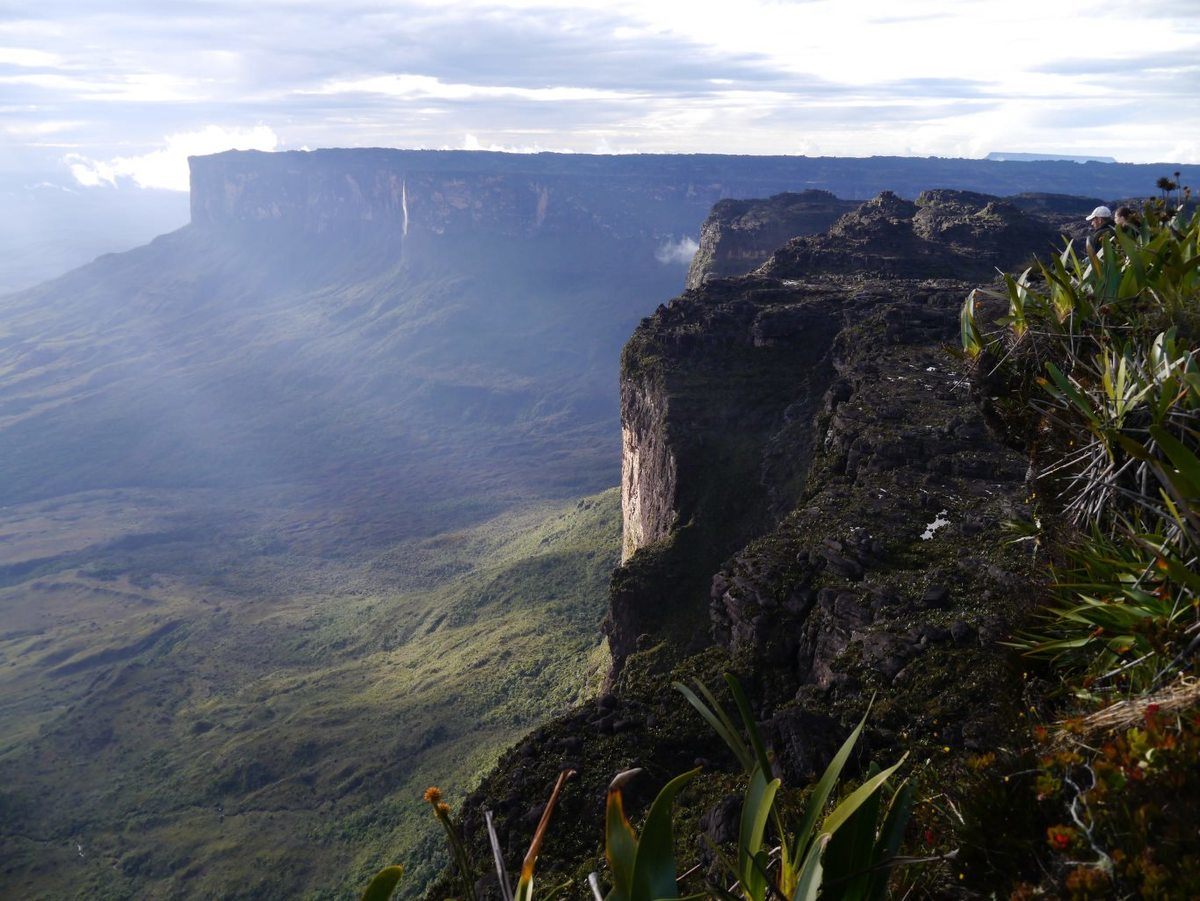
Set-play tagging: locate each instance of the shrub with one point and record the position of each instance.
(1094, 370)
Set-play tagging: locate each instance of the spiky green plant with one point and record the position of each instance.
(1096, 360)
(845, 854)
(642, 866)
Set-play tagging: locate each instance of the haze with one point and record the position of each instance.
(308, 480)
(98, 97)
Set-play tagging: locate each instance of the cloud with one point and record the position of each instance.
(761, 76)
(677, 252)
(145, 87)
(1124, 65)
(167, 167)
(29, 58)
(42, 127)
(471, 142)
(425, 87)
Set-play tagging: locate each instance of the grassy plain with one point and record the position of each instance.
(205, 704)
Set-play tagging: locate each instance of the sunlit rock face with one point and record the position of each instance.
(647, 469)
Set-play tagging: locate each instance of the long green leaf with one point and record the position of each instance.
(1183, 459)
(972, 338)
(857, 797)
(808, 883)
(743, 705)
(720, 722)
(824, 788)
(654, 863)
(620, 846)
(384, 884)
(848, 858)
(756, 809)
(1071, 393)
(890, 836)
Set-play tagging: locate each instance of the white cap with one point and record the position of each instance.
(1102, 211)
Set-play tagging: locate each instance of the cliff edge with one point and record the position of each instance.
(813, 501)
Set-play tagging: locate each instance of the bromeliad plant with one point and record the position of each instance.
(1095, 368)
(642, 867)
(844, 854)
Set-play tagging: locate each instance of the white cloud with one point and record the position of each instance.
(471, 142)
(677, 252)
(43, 128)
(29, 58)
(167, 167)
(412, 87)
(759, 76)
(142, 87)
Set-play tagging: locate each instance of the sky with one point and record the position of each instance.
(103, 95)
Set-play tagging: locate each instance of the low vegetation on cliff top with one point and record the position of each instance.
(1093, 371)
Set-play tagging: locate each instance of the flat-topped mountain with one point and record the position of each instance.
(304, 503)
(637, 194)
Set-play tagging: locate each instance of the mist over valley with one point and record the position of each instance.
(312, 502)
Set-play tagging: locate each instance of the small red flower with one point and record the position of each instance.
(1060, 837)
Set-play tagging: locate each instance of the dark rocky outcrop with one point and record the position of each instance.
(740, 235)
(813, 501)
(720, 388)
(944, 234)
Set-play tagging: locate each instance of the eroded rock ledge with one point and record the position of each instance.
(740, 235)
(815, 503)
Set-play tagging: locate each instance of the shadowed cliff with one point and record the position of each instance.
(813, 501)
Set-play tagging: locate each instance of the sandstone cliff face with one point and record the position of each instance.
(740, 235)
(386, 192)
(414, 193)
(720, 390)
(419, 192)
(829, 524)
(648, 475)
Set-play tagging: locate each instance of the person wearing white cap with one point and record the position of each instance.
(1101, 219)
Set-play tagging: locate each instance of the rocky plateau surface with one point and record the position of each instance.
(739, 235)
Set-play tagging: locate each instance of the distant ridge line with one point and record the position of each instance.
(1002, 156)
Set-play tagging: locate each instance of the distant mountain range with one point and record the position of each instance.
(1003, 157)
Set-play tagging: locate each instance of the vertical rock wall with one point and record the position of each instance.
(648, 470)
